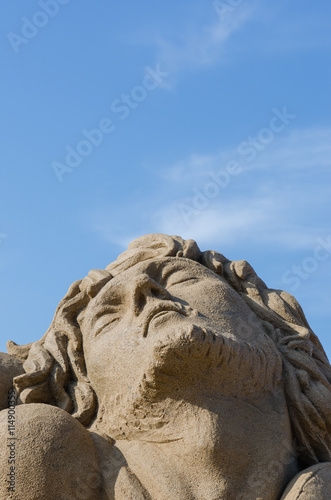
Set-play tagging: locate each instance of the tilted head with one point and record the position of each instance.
(166, 320)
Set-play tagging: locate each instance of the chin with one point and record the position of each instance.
(172, 356)
(186, 362)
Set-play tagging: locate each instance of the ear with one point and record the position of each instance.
(84, 400)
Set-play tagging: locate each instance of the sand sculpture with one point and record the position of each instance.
(173, 374)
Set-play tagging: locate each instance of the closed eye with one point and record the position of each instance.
(179, 281)
(107, 321)
(107, 309)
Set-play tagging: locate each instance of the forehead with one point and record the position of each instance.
(159, 269)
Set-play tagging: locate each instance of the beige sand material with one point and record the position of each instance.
(173, 374)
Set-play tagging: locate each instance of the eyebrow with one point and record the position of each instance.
(170, 269)
(101, 311)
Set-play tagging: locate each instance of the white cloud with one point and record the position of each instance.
(300, 148)
(198, 46)
(254, 219)
(279, 200)
(271, 211)
(118, 231)
(297, 149)
(223, 222)
(194, 44)
(190, 170)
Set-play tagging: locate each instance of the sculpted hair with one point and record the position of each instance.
(55, 370)
(54, 366)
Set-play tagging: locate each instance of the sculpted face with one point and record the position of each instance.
(208, 382)
(169, 324)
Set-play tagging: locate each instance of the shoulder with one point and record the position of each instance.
(314, 482)
(52, 455)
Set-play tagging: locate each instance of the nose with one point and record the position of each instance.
(146, 289)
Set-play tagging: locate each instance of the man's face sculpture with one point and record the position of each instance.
(170, 326)
(212, 384)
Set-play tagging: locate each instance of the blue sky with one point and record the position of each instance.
(210, 120)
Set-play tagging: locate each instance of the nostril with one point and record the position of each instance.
(160, 292)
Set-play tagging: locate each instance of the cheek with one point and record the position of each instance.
(113, 363)
(221, 307)
(211, 298)
(98, 363)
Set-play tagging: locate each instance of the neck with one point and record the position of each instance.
(215, 449)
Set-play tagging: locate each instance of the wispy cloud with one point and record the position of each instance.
(260, 218)
(194, 45)
(278, 200)
(266, 202)
(304, 148)
(298, 149)
(201, 46)
(221, 223)
(255, 219)
(111, 231)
